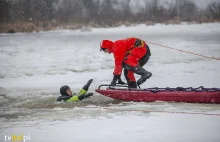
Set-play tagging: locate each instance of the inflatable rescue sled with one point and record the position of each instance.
(179, 94)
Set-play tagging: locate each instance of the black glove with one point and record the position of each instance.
(89, 94)
(114, 80)
(90, 81)
(81, 97)
(120, 81)
(86, 87)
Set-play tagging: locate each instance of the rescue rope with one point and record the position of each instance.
(184, 51)
(157, 111)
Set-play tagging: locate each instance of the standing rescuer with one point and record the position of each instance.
(131, 54)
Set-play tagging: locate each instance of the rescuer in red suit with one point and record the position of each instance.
(130, 54)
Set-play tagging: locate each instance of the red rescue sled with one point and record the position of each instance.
(179, 94)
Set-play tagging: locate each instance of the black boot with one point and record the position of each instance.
(132, 84)
(144, 74)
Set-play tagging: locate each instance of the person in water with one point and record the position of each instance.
(68, 96)
(131, 54)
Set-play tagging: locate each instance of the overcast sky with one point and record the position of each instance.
(203, 3)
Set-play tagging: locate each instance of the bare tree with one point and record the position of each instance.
(213, 10)
(156, 11)
(106, 14)
(91, 9)
(103, 12)
(186, 10)
(49, 4)
(4, 11)
(70, 11)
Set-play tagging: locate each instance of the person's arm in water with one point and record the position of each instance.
(82, 93)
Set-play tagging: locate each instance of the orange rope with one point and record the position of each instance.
(184, 51)
(158, 111)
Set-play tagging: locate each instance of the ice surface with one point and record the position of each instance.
(34, 66)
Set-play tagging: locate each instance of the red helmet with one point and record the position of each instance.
(106, 44)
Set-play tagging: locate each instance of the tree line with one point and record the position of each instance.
(105, 12)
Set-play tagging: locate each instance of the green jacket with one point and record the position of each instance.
(75, 96)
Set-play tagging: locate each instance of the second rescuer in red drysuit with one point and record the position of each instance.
(130, 54)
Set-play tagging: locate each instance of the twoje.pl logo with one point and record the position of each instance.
(18, 138)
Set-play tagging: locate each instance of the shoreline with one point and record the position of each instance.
(29, 27)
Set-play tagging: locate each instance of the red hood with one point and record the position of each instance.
(108, 44)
